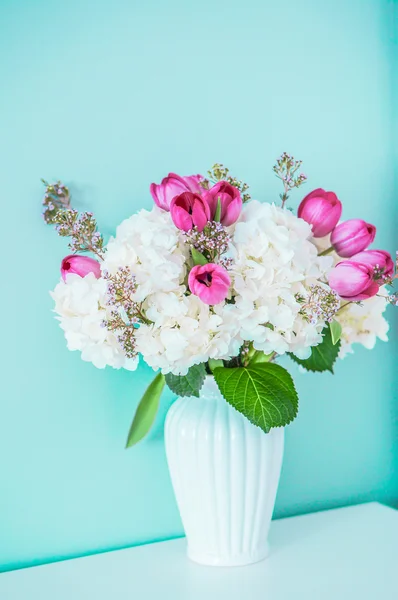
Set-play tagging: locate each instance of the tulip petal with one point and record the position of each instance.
(322, 210)
(181, 218)
(367, 293)
(80, 265)
(352, 236)
(172, 186)
(209, 282)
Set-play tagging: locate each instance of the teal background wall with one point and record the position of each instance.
(108, 97)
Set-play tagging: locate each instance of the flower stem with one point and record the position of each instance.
(343, 306)
(327, 251)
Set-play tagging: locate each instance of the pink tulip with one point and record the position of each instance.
(322, 210)
(381, 262)
(353, 281)
(351, 237)
(230, 199)
(80, 265)
(172, 186)
(209, 282)
(189, 210)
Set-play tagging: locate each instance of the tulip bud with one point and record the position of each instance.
(80, 265)
(209, 282)
(230, 201)
(172, 186)
(353, 281)
(381, 262)
(322, 210)
(351, 237)
(189, 210)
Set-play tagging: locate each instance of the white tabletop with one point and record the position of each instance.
(344, 554)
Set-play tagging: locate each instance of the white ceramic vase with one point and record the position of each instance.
(225, 473)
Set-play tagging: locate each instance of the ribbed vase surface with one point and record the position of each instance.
(225, 474)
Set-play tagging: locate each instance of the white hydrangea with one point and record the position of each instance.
(151, 245)
(79, 303)
(186, 332)
(363, 323)
(273, 260)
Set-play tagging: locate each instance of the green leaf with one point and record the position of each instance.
(264, 394)
(189, 384)
(322, 356)
(335, 331)
(198, 257)
(217, 215)
(146, 411)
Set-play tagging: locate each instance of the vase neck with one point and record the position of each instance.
(209, 388)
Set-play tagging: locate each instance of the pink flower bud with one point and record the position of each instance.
(322, 210)
(172, 186)
(353, 281)
(230, 199)
(351, 237)
(188, 210)
(80, 265)
(380, 260)
(209, 282)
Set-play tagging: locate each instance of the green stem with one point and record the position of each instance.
(344, 305)
(327, 251)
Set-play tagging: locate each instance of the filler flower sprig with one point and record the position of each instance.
(56, 197)
(213, 241)
(125, 313)
(285, 169)
(220, 173)
(321, 303)
(82, 229)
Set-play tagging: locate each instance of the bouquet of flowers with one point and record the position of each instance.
(212, 282)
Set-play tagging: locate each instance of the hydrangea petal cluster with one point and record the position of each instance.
(80, 303)
(273, 262)
(363, 323)
(153, 248)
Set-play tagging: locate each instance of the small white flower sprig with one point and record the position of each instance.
(81, 228)
(56, 197)
(125, 315)
(285, 169)
(213, 241)
(321, 303)
(220, 173)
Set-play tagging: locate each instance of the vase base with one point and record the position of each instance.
(237, 560)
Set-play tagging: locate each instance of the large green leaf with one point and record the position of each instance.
(146, 411)
(263, 393)
(322, 356)
(189, 384)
